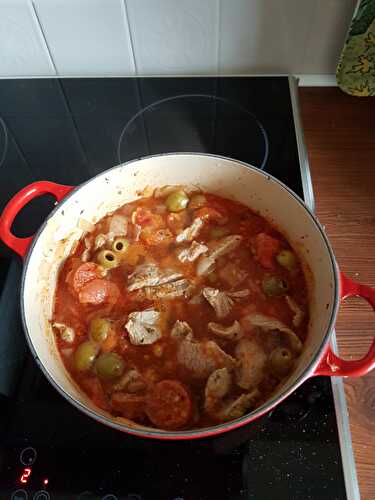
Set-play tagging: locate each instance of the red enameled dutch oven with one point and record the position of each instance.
(84, 205)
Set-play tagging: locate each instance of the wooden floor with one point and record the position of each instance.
(340, 138)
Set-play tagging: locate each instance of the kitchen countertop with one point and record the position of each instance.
(340, 139)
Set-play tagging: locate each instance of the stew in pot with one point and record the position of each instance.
(180, 310)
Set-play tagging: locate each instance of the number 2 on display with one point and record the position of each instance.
(25, 475)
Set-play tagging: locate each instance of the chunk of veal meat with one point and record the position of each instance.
(239, 294)
(118, 226)
(270, 324)
(252, 361)
(220, 301)
(299, 314)
(179, 288)
(143, 327)
(86, 254)
(217, 387)
(193, 252)
(181, 329)
(207, 263)
(202, 358)
(137, 229)
(191, 232)
(88, 241)
(232, 332)
(132, 382)
(150, 275)
(100, 241)
(67, 334)
(239, 406)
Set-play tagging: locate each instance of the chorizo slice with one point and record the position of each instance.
(169, 405)
(99, 291)
(82, 275)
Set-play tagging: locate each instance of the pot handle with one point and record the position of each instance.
(331, 364)
(19, 200)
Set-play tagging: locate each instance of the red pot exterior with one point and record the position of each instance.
(332, 365)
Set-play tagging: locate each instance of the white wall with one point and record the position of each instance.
(127, 37)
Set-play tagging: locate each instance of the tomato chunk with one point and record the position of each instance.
(266, 249)
(99, 291)
(169, 405)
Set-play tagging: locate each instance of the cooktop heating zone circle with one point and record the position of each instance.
(196, 123)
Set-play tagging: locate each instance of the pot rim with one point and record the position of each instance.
(220, 428)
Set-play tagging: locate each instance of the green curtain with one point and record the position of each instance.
(356, 69)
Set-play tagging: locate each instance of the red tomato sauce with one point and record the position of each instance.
(141, 381)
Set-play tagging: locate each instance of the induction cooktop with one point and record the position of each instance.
(68, 130)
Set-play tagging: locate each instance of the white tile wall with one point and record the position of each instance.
(173, 37)
(126, 37)
(22, 47)
(326, 34)
(87, 37)
(263, 36)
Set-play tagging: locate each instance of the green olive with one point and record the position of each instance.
(274, 286)
(197, 201)
(109, 365)
(85, 355)
(107, 259)
(120, 245)
(99, 329)
(281, 361)
(219, 232)
(177, 201)
(287, 259)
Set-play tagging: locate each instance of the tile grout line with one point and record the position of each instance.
(74, 124)
(218, 38)
(42, 35)
(127, 22)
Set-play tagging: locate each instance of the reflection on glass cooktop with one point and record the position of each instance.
(67, 131)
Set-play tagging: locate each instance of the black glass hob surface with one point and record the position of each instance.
(67, 131)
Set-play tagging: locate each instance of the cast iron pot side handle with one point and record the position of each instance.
(19, 200)
(331, 364)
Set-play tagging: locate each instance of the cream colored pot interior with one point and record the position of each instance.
(120, 185)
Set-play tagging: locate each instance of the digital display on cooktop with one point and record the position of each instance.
(67, 131)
